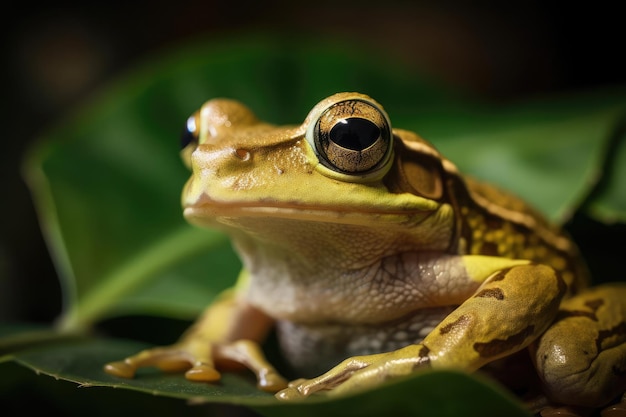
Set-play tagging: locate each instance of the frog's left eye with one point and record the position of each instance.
(352, 137)
(190, 133)
(189, 138)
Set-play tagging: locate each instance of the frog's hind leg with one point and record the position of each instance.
(581, 358)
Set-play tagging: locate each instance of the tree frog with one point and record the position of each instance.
(373, 257)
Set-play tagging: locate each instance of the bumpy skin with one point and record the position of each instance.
(377, 255)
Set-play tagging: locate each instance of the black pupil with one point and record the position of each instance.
(354, 133)
(188, 136)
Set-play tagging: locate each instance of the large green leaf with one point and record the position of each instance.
(550, 153)
(608, 200)
(107, 184)
(430, 393)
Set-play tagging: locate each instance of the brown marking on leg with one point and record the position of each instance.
(496, 293)
(424, 359)
(500, 275)
(460, 322)
(560, 283)
(619, 330)
(594, 305)
(498, 346)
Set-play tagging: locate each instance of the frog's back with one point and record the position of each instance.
(489, 221)
(495, 222)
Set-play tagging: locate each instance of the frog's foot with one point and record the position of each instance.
(358, 373)
(174, 358)
(200, 360)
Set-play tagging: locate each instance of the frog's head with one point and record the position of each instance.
(344, 165)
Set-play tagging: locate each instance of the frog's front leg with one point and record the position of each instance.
(581, 358)
(510, 310)
(226, 334)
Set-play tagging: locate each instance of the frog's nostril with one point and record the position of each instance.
(242, 154)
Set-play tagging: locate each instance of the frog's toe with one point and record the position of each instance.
(203, 373)
(289, 394)
(337, 377)
(250, 355)
(120, 369)
(271, 381)
(301, 388)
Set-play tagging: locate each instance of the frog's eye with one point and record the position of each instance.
(189, 138)
(190, 133)
(352, 137)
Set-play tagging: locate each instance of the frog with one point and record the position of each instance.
(372, 258)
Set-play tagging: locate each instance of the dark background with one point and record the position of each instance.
(54, 58)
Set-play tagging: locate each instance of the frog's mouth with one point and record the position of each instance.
(207, 211)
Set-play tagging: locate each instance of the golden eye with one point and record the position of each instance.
(353, 137)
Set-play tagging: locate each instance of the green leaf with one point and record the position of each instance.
(429, 393)
(608, 200)
(550, 152)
